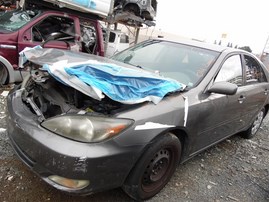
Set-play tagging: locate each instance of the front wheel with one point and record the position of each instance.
(154, 169)
(252, 130)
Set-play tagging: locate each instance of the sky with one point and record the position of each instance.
(244, 22)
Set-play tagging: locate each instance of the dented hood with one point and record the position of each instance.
(98, 77)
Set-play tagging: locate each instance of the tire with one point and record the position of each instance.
(3, 74)
(154, 169)
(252, 130)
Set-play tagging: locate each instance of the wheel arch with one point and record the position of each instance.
(183, 137)
(132, 6)
(133, 179)
(9, 67)
(266, 108)
(180, 133)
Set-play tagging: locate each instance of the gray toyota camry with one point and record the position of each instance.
(86, 124)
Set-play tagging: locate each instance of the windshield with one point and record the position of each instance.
(184, 63)
(14, 20)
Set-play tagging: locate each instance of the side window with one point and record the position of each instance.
(124, 38)
(112, 37)
(54, 28)
(231, 71)
(254, 71)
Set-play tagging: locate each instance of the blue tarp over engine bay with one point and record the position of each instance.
(120, 83)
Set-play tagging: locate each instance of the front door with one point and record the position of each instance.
(55, 31)
(221, 115)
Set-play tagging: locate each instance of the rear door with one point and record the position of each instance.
(224, 115)
(255, 88)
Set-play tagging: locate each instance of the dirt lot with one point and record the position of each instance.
(234, 170)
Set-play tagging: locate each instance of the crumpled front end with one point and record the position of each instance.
(76, 142)
(98, 79)
(78, 165)
(72, 166)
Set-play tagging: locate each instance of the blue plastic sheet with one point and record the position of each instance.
(85, 3)
(123, 84)
(96, 76)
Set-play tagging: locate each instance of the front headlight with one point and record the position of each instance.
(86, 128)
(69, 183)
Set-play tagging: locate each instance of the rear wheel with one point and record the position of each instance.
(154, 169)
(252, 130)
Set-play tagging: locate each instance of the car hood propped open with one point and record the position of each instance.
(96, 79)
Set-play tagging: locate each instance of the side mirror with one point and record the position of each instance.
(223, 87)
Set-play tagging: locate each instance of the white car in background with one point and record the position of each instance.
(118, 41)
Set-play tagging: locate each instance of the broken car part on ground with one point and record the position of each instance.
(83, 145)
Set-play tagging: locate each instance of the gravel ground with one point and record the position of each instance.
(234, 170)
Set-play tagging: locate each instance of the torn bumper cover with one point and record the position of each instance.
(94, 78)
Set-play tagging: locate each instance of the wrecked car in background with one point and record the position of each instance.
(100, 8)
(147, 9)
(117, 42)
(87, 124)
(39, 26)
(63, 24)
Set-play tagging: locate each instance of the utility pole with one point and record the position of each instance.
(109, 26)
(265, 46)
(137, 35)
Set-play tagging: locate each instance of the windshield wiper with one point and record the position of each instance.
(128, 63)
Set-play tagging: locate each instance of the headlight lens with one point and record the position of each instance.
(69, 183)
(86, 128)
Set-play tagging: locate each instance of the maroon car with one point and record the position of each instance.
(52, 29)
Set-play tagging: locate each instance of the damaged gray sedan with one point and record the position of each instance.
(87, 124)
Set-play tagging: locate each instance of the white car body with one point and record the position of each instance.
(118, 41)
(99, 7)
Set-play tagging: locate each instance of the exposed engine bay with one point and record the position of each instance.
(47, 97)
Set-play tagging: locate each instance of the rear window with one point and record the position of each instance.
(124, 38)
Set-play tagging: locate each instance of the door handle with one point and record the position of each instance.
(241, 99)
